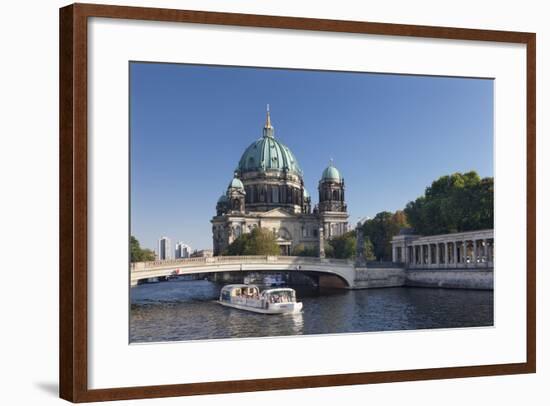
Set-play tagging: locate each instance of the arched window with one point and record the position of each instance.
(335, 195)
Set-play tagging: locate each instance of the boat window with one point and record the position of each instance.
(282, 296)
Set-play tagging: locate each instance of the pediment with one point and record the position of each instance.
(276, 213)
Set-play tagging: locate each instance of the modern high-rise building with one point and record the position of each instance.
(182, 250)
(164, 248)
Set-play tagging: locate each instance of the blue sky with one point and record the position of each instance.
(389, 135)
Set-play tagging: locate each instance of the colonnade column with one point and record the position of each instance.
(446, 257)
(421, 254)
(429, 260)
(464, 252)
(474, 252)
(485, 252)
(437, 254)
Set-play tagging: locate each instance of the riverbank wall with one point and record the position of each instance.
(368, 278)
(481, 279)
(386, 277)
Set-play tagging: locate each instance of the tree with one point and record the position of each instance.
(259, 241)
(343, 246)
(381, 229)
(301, 250)
(138, 254)
(453, 203)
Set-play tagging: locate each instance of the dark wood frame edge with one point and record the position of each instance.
(73, 202)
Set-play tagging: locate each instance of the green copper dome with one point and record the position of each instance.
(331, 173)
(222, 199)
(236, 183)
(268, 154)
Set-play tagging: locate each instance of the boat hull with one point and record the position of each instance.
(279, 308)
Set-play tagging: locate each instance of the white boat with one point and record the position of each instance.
(269, 301)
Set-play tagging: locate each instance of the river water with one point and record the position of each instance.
(186, 310)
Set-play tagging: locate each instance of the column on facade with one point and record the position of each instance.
(465, 251)
(446, 253)
(405, 253)
(394, 254)
(429, 261)
(422, 254)
(474, 252)
(485, 252)
(437, 254)
(454, 252)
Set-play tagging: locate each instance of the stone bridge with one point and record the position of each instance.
(341, 268)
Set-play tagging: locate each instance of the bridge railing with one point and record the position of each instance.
(232, 259)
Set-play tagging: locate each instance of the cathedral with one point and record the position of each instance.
(268, 191)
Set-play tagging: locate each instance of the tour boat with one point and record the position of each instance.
(269, 301)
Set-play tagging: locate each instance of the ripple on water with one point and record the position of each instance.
(186, 310)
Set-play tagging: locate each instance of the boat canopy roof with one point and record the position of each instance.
(238, 286)
(277, 290)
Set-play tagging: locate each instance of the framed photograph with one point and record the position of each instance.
(255, 202)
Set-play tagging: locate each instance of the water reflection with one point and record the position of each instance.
(186, 310)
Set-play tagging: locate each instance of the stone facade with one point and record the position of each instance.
(268, 191)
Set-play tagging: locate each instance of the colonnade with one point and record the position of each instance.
(474, 249)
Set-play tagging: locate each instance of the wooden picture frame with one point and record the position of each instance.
(74, 201)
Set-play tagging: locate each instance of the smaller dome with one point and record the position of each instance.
(222, 199)
(331, 173)
(236, 184)
(306, 194)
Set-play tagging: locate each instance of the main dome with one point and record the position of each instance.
(268, 154)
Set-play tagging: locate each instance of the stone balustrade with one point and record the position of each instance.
(239, 259)
(342, 268)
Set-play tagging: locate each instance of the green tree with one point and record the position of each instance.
(301, 250)
(259, 241)
(147, 254)
(329, 251)
(381, 229)
(344, 246)
(138, 254)
(453, 203)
